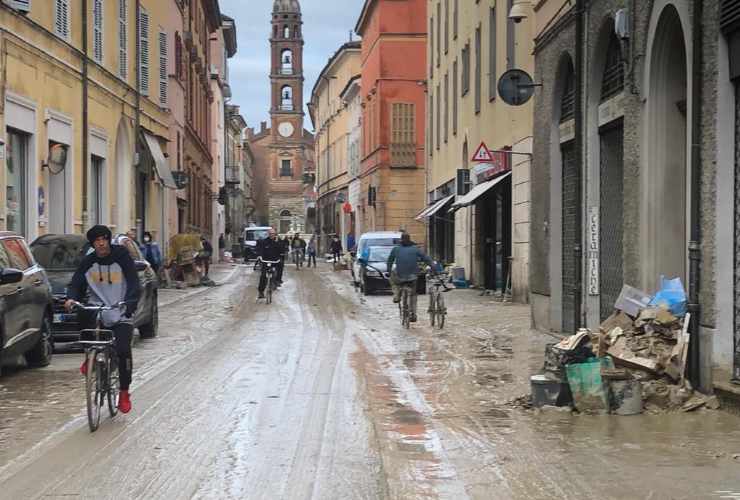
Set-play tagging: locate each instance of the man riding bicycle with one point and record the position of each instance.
(268, 249)
(109, 275)
(298, 246)
(406, 257)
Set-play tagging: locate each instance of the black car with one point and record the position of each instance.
(25, 305)
(374, 274)
(61, 255)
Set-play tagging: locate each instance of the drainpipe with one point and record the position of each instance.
(578, 249)
(85, 120)
(137, 113)
(694, 306)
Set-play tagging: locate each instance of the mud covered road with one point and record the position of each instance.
(322, 396)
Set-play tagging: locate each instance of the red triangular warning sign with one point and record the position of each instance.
(482, 154)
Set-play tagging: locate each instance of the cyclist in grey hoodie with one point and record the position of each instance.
(109, 275)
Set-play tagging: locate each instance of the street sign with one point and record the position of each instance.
(482, 154)
(516, 87)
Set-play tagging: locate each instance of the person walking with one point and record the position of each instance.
(312, 250)
(284, 251)
(152, 252)
(336, 249)
(205, 255)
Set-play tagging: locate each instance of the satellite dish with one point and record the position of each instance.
(516, 87)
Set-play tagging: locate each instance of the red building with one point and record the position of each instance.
(394, 106)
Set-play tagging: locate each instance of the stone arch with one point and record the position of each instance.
(664, 183)
(286, 61)
(123, 170)
(286, 98)
(286, 221)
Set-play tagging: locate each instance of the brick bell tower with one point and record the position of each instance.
(286, 76)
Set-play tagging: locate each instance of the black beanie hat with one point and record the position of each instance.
(96, 232)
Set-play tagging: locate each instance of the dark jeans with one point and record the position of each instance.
(279, 271)
(122, 335)
(311, 258)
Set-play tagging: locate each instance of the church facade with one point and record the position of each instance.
(284, 168)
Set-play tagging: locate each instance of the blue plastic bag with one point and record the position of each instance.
(671, 296)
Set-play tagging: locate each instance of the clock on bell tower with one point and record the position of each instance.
(286, 75)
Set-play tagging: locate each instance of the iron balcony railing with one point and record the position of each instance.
(233, 174)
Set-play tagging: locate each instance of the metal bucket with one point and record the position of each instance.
(625, 397)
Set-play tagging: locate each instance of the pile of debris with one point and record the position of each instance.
(635, 362)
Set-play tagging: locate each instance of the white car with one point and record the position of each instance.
(367, 240)
(251, 236)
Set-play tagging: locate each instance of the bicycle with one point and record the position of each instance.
(270, 274)
(404, 306)
(101, 359)
(437, 309)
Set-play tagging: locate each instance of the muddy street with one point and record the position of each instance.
(322, 395)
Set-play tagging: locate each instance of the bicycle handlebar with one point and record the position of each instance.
(260, 259)
(78, 306)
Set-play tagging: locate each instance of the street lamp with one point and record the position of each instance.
(519, 11)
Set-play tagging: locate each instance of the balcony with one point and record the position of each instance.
(233, 176)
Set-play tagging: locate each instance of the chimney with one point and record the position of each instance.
(250, 133)
(263, 126)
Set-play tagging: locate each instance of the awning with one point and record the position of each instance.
(434, 208)
(160, 163)
(477, 192)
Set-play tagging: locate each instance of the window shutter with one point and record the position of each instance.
(122, 40)
(61, 21)
(143, 52)
(20, 5)
(98, 30)
(163, 68)
(403, 137)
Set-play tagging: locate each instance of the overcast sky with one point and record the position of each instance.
(326, 26)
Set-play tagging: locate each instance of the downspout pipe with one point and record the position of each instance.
(137, 114)
(694, 305)
(579, 116)
(85, 120)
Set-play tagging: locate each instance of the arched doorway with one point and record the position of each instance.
(664, 179)
(611, 176)
(570, 182)
(286, 221)
(123, 167)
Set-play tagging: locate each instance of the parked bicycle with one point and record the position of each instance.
(101, 359)
(270, 275)
(437, 309)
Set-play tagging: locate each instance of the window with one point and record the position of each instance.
(286, 62)
(431, 47)
(465, 69)
(568, 104)
(478, 69)
(454, 98)
(286, 220)
(613, 82)
(455, 19)
(163, 68)
(510, 40)
(122, 39)
(492, 82)
(143, 52)
(439, 114)
(447, 107)
(98, 30)
(403, 135)
(18, 257)
(447, 26)
(430, 128)
(95, 210)
(285, 169)
(286, 32)
(439, 33)
(286, 98)
(16, 178)
(62, 18)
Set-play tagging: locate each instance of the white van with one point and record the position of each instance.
(251, 236)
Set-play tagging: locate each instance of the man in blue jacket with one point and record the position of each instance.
(406, 258)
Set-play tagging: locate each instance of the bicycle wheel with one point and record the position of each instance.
(268, 291)
(92, 392)
(441, 311)
(113, 386)
(432, 308)
(406, 310)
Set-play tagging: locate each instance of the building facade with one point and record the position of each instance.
(652, 205)
(332, 120)
(85, 121)
(284, 152)
(238, 177)
(482, 224)
(393, 78)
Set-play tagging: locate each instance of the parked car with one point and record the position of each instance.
(374, 273)
(375, 240)
(61, 254)
(25, 305)
(251, 236)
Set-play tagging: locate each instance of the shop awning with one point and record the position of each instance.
(477, 192)
(434, 208)
(160, 163)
